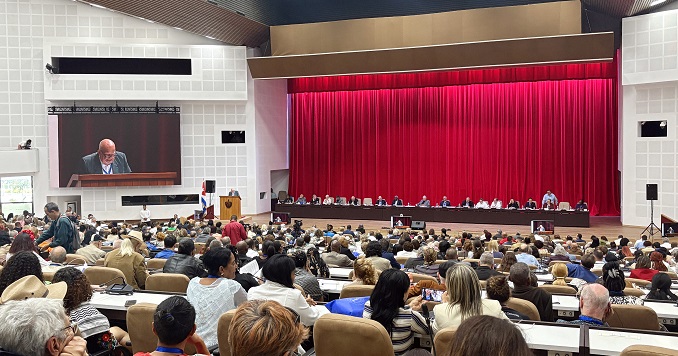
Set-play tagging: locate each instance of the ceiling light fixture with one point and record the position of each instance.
(99, 6)
(657, 2)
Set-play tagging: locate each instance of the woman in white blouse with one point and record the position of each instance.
(279, 286)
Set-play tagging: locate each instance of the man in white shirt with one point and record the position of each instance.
(496, 204)
(327, 200)
(549, 196)
(145, 215)
(424, 202)
(482, 204)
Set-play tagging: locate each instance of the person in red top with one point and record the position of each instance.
(643, 270)
(234, 230)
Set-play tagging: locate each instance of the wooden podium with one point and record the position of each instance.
(122, 180)
(229, 205)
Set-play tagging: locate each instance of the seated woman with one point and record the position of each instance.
(559, 254)
(304, 278)
(661, 288)
(613, 280)
(387, 307)
(363, 273)
(498, 289)
(265, 328)
(22, 264)
(174, 324)
(658, 263)
(643, 270)
(94, 327)
(484, 335)
(508, 261)
(493, 247)
(429, 267)
(215, 294)
(463, 299)
(130, 262)
(559, 272)
(24, 242)
(279, 286)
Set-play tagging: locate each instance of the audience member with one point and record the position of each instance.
(373, 254)
(364, 273)
(526, 257)
(92, 252)
(263, 328)
(334, 258)
(486, 335)
(24, 242)
(129, 262)
(594, 305)
(428, 268)
(57, 256)
(613, 280)
(643, 270)
(660, 288)
(559, 272)
(168, 251)
(508, 261)
(234, 230)
(485, 268)
(583, 270)
(559, 254)
(304, 278)
(387, 307)
(523, 289)
(658, 263)
(184, 262)
(499, 290)
(24, 263)
(463, 299)
(408, 250)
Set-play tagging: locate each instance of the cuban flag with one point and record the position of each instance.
(203, 200)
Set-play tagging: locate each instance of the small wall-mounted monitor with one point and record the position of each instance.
(280, 218)
(401, 222)
(669, 229)
(542, 227)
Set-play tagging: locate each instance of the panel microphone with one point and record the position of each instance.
(118, 289)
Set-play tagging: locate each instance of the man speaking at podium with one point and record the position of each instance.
(106, 160)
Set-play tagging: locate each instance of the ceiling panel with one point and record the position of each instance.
(624, 8)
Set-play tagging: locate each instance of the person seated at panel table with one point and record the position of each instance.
(496, 204)
(397, 201)
(353, 201)
(315, 200)
(481, 204)
(381, 201)
(549, 196)
(301, 200)
(424, 202)
(445, 202)
(549, 205)
(327, 200)
(530, 204)
(467, 203)
(581, 206)
(513, 204)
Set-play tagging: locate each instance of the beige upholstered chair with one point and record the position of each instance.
(99, 275)
(639, 282)
(633, 317)
(156, 263)
(47, 276)
(366, 337)
(634, 292)
(140, 329)
(402, 259)
(563, 205)
(555, 289)
(73, 259)
(356, 291)
(645, 350)
(443, 340)
(167, 282)
(100, 262)
(524, 306)
(416, 277)
(222, 332)
(367, 201)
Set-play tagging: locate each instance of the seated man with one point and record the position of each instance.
(381, 201)
(242, 258)
(184, 262)
(373, 254)
(530, 204)
(385, 245)
(513, 204)
(485, 268)
(397, 201)
(445, 202)
(353, 201)
(334, 258)
(168, 252)
(525, 257)
(415, 290)
(424, 202)
(301, 200)
(523, 289)
(482, 204)
(496, 204)
(594, 305)
(315, 200)
(581, 206)
(327, 200)
(92, 252)
(583, 270)
(467, 203)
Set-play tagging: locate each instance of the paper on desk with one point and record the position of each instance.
(555, 300)
(251, 268)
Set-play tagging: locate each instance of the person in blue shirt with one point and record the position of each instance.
(168, 252)
(525, 257)
(583, 271)
(639, 243)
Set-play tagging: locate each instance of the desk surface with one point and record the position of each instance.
(117, 302)
(609, 342)
(542, 337)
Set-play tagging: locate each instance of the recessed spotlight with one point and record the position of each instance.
(99, 6)
(210, 37)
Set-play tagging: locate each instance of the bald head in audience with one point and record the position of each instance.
(58, 255)
(451, 254)
(242, 248)
(335, 246)
(594, 301)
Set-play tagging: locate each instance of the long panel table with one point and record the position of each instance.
(437, 214)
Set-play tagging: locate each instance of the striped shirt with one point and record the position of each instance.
(405, 325)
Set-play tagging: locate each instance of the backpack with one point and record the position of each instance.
(75, 242)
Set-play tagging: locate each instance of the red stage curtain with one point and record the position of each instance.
(503, 140)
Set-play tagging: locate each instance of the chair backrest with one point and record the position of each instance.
(342, 200)
(554, 262)
(167, 282)
(497, 261)
(46, 276)
(222, 332)
(563, 205)
(598, 272)
(100, 262)
(367, 201)
(332, 200)
(443, 340)
(555, 289)
(140, 329)
(634, 292)
(524, 306)
(73, 259)
(639, 282)
(438, 262)
(356, 291)
(416, 277)
(631, 316)
(367, 337)
(671, 274)
(645, 350)
(282, 195)
(199, 247)
(402, 259)
(99, 275)
(156, 263)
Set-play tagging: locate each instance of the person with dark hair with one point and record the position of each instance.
(387, 307)
(316, 265)
(442, 248)
(486, 335)
(660, 289)
(174, 324)
(60, 229)
(613, 280)
(583, 270)
(507, 261)
(416, 289)
(279, 286)
(498, 289)
(241, 257)
(268, 250)
(304, 278)
(643, 270)
(385, 253)
(94, 327)
(408, 250)
(523, 289)
(334, 258)
(23, 264)
(168, 251)
(183, 262)
(24, 242)
(373, 254)
(215, 294)
(234, 230)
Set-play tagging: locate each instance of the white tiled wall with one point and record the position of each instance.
(33, 30)
(650, 93)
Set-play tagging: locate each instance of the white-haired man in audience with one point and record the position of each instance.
(594, 305)
(36, 326)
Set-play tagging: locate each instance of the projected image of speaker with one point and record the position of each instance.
(651, 192)
(210, 186)
(418, 225)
